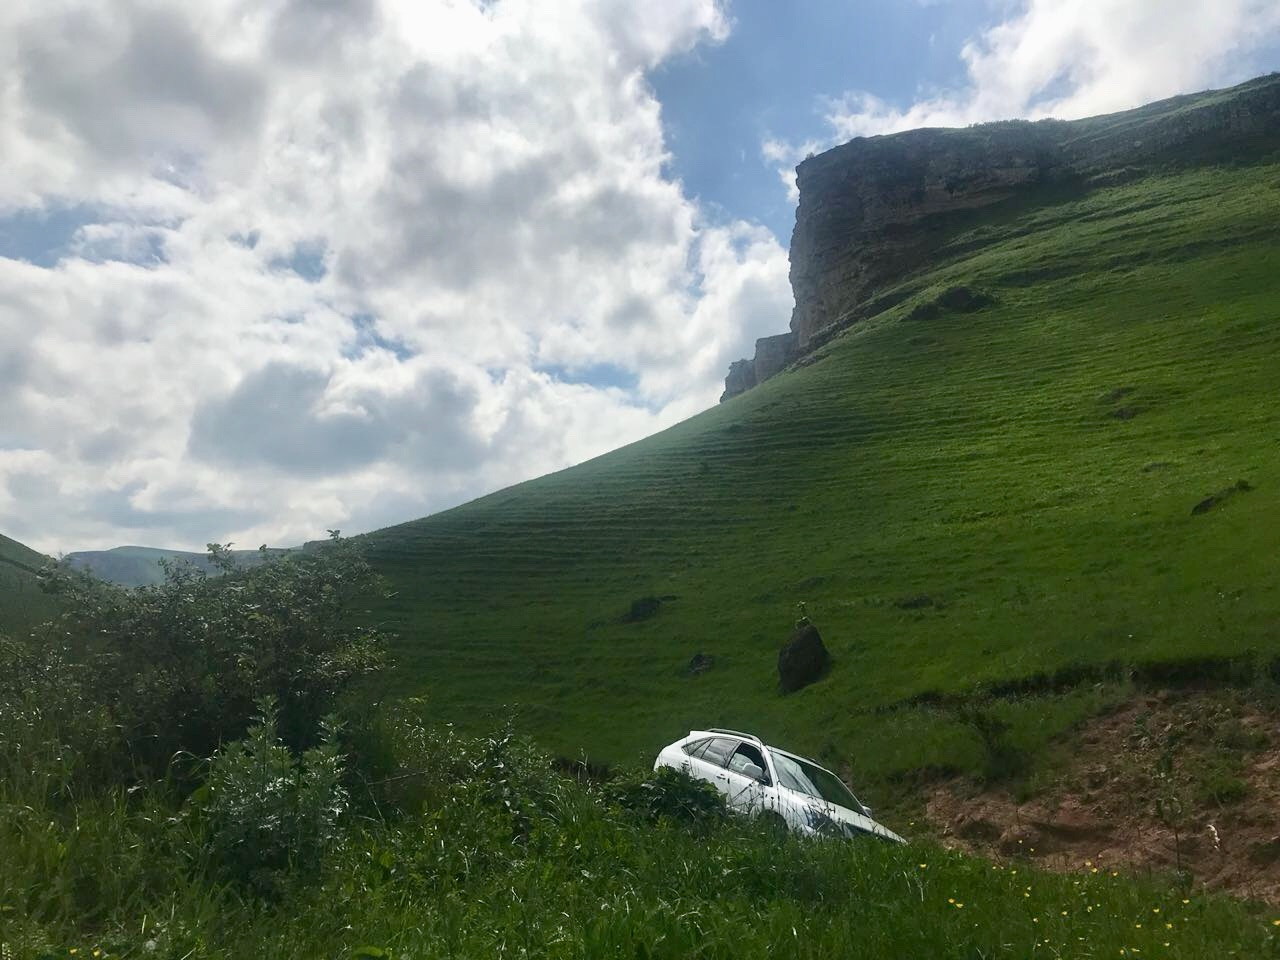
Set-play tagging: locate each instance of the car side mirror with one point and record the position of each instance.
(866, 810)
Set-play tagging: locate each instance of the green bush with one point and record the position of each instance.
(180, 666)
(667, 794)
(1002, 759)
(267, 810)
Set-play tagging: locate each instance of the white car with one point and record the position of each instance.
(763, 781)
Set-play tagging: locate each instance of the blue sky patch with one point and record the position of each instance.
(368, 338)
(43, 236)
(601, 375)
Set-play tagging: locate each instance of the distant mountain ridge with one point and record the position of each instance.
(133, 566)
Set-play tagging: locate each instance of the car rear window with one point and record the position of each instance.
(718, 751)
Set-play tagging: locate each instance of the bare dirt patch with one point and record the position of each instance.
(1185, 784)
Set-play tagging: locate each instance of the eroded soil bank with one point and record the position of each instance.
(1170, 783)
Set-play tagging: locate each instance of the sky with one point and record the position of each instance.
(272, 267)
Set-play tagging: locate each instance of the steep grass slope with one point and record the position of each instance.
(21, 602)
(969, 499)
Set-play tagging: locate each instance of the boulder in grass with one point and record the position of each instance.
(803, 659)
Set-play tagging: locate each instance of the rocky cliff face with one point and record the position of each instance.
(877, 209)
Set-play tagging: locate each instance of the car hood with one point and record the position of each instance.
(858, 822)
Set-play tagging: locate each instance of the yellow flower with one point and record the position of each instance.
(1088, 863)
(1094, 870)
(959, 906)
(1137, 926)
(951, 899)
(1186, 901)
(1275, 923)
(1168, 926)
(924, 866)
(1064, 913)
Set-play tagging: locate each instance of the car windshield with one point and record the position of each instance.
(813, 780)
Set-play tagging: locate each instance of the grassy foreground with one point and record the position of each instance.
(502, 857)
(981, 499)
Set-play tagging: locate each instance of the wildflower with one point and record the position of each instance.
(959, 906)
(1064, 913)
(1155, 909)
(951, 899)
(1088, 863)
(1168, 926)
(1275, 923)
(1186, 901)
(1137, 926)
(924, 866)
(1094, 870)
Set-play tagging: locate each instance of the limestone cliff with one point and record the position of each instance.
(877, 209)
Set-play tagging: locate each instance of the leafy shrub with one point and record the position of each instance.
(415, 765)
(1002, 759)
(667, 794)
(180, 666)
(267, 810)
(53, 734)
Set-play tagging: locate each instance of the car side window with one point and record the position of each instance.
(695, 747)
(718, 750)
(748, 761)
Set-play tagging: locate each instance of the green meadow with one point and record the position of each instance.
(962, 503)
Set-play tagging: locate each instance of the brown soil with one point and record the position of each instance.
(1167, 783)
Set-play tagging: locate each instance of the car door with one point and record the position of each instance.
(709, 762)
(746, 778)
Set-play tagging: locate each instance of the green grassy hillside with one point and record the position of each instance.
(21, 602)
(964, 500)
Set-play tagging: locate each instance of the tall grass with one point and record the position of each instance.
(476, 848)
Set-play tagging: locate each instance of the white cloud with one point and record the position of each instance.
(329, 251)
(1068, 60)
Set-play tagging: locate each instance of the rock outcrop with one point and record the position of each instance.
(878, 209)
(803, 659)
